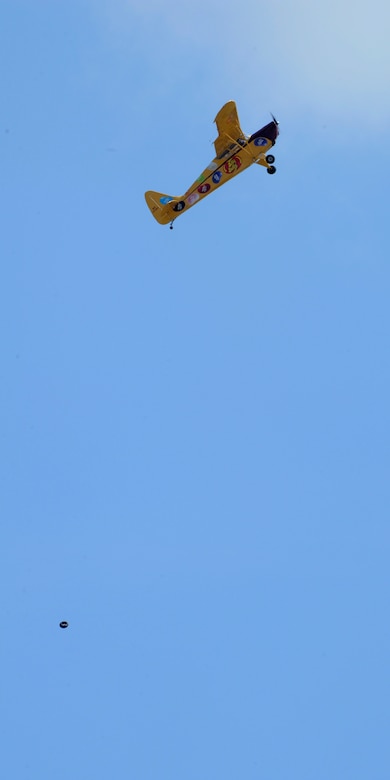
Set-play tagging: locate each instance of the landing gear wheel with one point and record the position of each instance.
(270, 159)
(271, 169)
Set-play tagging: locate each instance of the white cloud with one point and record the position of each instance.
(329, 57)
(335, 53)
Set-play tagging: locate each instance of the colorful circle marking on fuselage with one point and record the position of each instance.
(232, 165)
(192, 198)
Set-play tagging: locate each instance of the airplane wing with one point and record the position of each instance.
(229, 130)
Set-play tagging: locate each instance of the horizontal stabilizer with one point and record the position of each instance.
(162, 206)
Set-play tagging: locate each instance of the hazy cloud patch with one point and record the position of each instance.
(332, 58)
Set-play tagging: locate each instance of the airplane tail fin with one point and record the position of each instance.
(162, 206)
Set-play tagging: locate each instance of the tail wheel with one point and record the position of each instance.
(270, 159)
(271, 169)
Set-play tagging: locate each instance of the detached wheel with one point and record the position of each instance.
(271, 169)
(270, 159)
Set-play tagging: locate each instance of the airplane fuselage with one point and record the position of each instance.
(238, 155)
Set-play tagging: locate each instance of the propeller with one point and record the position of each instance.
(274, 118)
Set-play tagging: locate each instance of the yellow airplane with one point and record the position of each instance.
(235, 152)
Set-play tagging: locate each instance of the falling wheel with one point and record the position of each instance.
(270, 159)
(271, 169)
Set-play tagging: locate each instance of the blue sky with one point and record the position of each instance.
(194, 425)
